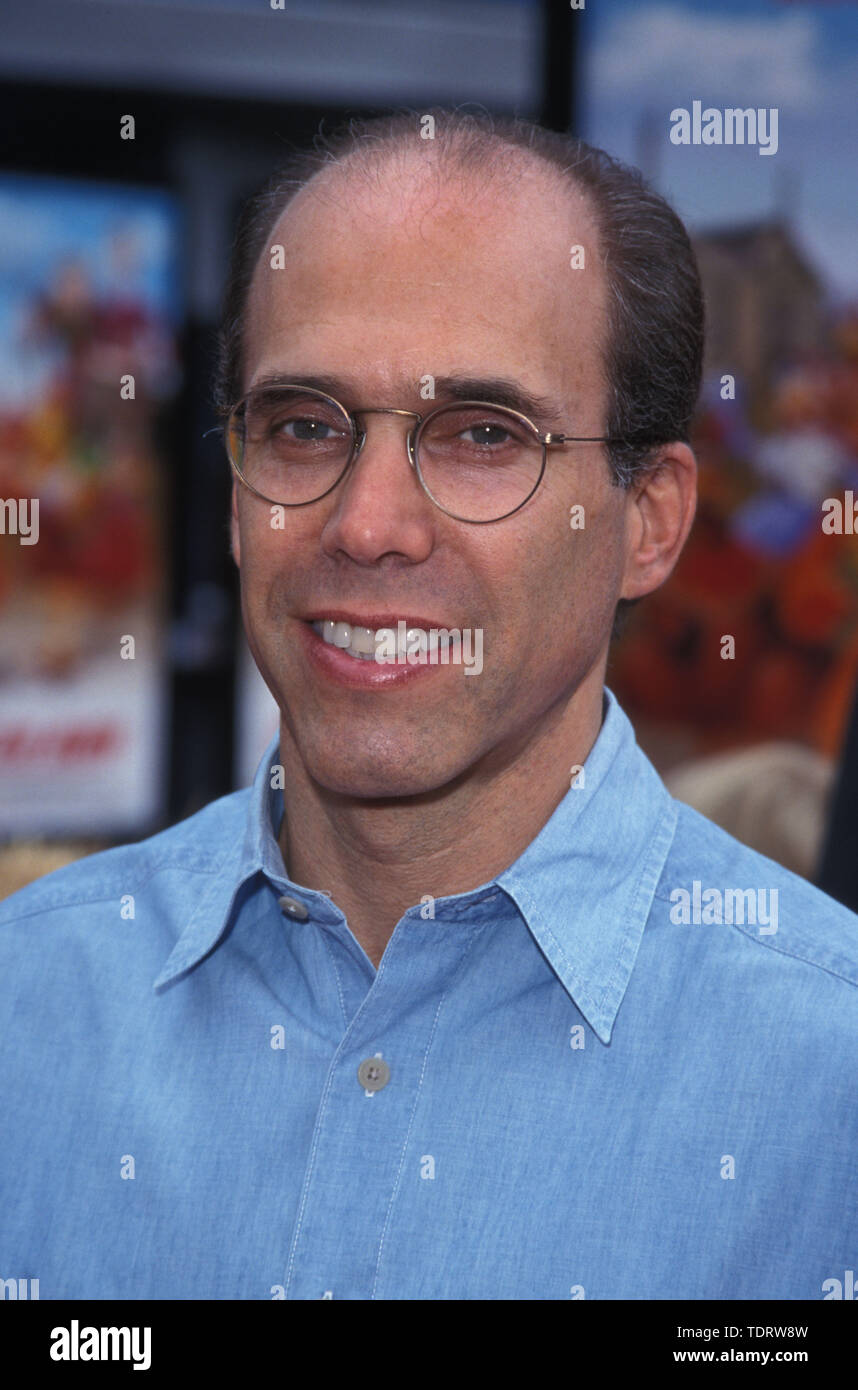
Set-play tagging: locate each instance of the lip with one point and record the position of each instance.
(374, 620)
(333, 664)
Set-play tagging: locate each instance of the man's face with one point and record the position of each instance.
(384, 284)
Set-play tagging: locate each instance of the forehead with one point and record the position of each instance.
(412, 268)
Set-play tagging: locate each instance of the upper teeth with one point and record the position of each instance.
(363, 641)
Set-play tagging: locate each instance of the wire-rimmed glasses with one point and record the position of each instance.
(478, 462)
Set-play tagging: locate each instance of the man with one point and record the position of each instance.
(456, 1002)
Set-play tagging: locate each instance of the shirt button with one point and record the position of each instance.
(373, 1073)
(293, 908)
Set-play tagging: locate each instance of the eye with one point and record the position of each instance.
(305, 429)
(487, 433)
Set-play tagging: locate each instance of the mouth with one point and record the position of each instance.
(364, 639)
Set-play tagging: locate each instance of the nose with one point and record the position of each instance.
(380, 507)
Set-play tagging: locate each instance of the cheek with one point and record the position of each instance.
(277, 569)
(577, 564)
(263, 557)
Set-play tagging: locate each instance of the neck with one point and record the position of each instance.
(376, 858)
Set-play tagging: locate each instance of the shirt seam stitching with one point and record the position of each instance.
(779, 950)
(100, 897)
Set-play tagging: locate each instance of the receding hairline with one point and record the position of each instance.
(473, 153)
(480, 159)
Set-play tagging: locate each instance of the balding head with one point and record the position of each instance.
(654, 309)
(399, 266)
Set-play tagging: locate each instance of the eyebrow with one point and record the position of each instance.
(495, 390)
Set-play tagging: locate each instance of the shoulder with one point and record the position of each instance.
(762, 905)
(193, 846)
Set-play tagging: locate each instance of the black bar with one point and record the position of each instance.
(234, 1338)
(560, 25)
(838, 865)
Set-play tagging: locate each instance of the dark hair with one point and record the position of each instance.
(654, 345)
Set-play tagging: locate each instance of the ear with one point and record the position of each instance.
(234, 529)
(660, 510)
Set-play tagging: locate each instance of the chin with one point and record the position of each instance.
(367, 777)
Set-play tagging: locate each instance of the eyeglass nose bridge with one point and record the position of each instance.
(360, 434)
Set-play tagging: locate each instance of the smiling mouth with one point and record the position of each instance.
(364, 642)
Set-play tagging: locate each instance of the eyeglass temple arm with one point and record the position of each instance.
(600, 439)
(581, 439)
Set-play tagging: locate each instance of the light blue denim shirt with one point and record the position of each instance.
(579, 1080)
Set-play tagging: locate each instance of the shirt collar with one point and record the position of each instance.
(241, 858)
(584, 885)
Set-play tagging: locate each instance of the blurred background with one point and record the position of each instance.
(114, 238)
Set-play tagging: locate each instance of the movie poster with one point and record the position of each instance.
(88, 317)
